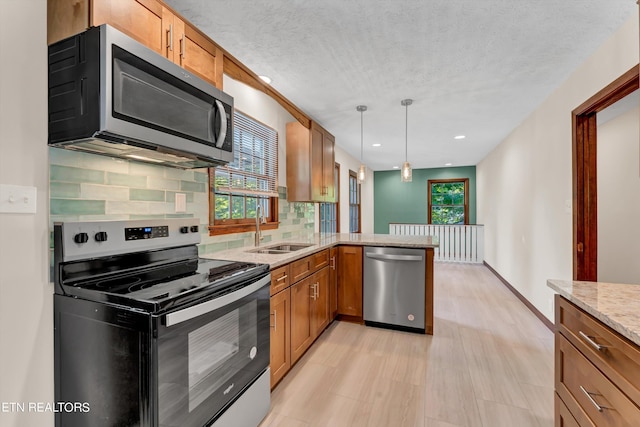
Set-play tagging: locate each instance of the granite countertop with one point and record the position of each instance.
(319, 242)
(616, 305)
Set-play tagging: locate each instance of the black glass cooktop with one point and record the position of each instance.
(156, 286)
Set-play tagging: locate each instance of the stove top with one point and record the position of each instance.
(155, 280)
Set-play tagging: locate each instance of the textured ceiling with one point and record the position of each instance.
(473, 67)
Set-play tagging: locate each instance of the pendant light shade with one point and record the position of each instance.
(362, 171)
(405, 172)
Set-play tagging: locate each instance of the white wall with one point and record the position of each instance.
(26, 315)
(524, 186)
(619, 199)
(347, 162)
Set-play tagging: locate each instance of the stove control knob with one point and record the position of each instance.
(81, 238)
(194, 228)
(184, 230)
(101, 236)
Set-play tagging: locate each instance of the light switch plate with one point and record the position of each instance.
(17, 199)
(181, 202)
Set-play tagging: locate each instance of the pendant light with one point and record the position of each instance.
(405, 173)
(362, 171)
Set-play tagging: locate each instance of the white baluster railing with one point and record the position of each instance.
(458, 243)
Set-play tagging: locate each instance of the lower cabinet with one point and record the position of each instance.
(309, 311)
(597, 372)
(350, 281)
(301, 332)
(280, 362)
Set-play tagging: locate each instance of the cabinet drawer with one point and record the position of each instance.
(583, 387)
(303, 267)
(615, 356)
(300, 269)
(279, 279)
(319, 260)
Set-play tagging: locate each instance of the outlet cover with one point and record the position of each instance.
(181, 203)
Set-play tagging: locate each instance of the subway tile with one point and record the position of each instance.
(63, 218)
(64, 190)
(146, 169)
(178, 174)
(148, 216)
(118, 217)
(180, 215)
(286, 235)
(201, 176)
(62, 157)
(128, 208)
(171, 196)
(282, 215)
(159, 183)
(193, 186)
(126, 180)
(149, 195)
(233, 244)
(71, 207)
(103, 192)
(72, 174)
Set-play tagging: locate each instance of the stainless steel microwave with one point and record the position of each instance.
(111, 95)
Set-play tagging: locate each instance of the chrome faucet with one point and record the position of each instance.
(259, 220)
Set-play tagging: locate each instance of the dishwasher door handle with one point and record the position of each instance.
(389, 257)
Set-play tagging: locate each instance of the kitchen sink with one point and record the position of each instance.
(281, 249)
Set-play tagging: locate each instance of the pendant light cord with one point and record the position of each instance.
(361, 134)
(406, 130)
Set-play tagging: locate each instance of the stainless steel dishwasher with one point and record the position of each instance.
(394, 288)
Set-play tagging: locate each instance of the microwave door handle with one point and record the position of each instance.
(223, 124)
(189, 313)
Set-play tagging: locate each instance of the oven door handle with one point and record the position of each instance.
(189, 313)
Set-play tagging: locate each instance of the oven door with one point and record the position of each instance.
(209, 353)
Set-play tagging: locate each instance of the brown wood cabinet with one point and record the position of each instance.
(320, 310)
(302, 333)
(597, 371)
(350, 281)
(333, 282)
(310, 164)
(280, 346)
(148, 21)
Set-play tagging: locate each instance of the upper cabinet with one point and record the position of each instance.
(310, 164)
(149, 22)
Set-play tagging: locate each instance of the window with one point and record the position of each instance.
(354, 203)
(449, 201)
(330, 212)
(238, 188)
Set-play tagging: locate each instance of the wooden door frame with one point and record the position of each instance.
(584, 155)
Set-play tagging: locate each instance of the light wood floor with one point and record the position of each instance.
(488, 364)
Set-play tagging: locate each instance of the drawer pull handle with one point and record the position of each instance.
(281, 278)
(591, 341)
(592, 400)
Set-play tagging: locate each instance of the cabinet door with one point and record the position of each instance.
(199, 56)
(301, 332)
(280, 362)
(317, 169)
(328, 165)
(320, 313)
(350, 281)
(333, 282)
(141, 19)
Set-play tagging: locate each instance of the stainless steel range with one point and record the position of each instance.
(149, 334)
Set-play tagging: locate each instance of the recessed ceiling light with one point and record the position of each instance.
(396, 167)
(459, 137)
(448, 164)
(265, 79)
(376, 145)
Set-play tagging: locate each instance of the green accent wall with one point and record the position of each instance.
(406, 202)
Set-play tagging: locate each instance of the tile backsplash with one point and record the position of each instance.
(88, 187)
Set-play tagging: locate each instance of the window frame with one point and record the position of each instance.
(336, 177)
(354, 176)
(240, 225)
(449, 181)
